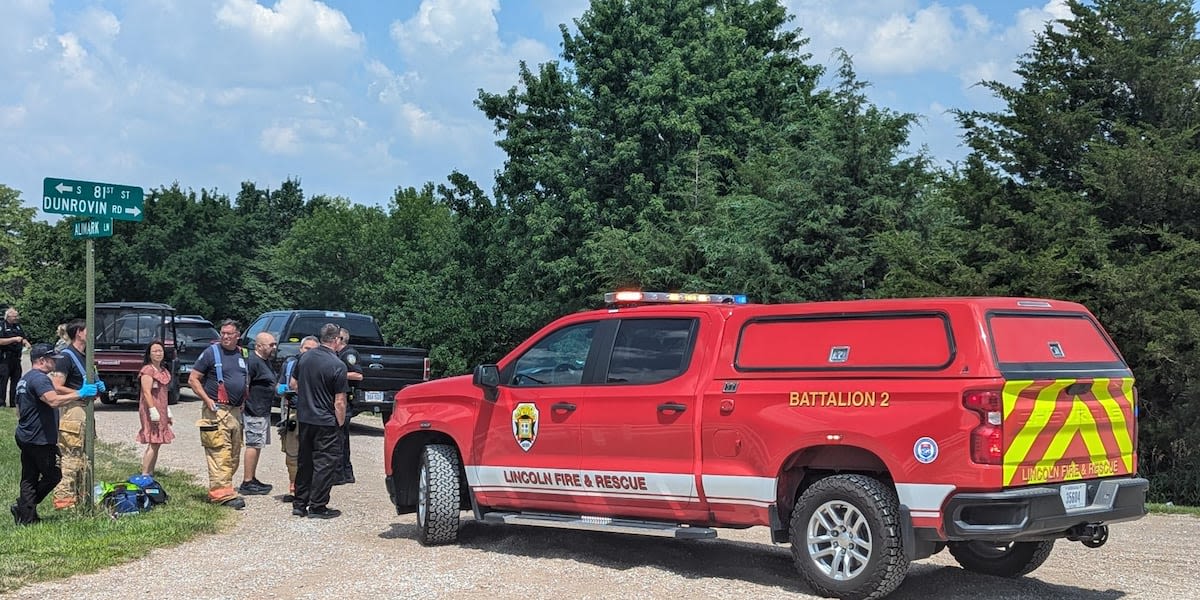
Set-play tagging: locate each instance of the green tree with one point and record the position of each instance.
(661, 105)
(14, 219)
(1085, 186)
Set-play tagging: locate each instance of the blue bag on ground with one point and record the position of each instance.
(137, 495)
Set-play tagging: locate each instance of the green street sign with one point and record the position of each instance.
(91, 199)
(92, 228)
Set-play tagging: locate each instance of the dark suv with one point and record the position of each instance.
(195, 333)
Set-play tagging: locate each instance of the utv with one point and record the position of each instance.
(123, 330)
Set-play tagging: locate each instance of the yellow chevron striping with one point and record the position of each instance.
(1039, 416)
(1079, 421)
(1116, 417)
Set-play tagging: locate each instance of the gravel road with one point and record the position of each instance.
(370, 552)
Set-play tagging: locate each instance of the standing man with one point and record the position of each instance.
(37, 431)
(257, 417)
(320, 409)
(72, 422)
(219, 379)
(12, 341)
(354, 375)
(289, 436)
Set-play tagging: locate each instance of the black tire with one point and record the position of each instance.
(1012, 559)
(438, 495)
(386, 415)
(107, 398)
(845, 534)
(173, 395)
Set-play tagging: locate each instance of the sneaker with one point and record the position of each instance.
(299, 512)
(324, 513)
(250, 488)
(235, 503)
(289, 498)
(261, 484)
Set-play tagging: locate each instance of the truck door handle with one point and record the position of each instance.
(563, 406)
(672, 407)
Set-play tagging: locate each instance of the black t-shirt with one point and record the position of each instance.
(319, 375)
(262, 386)
(38, 422)
(71, 367)
(8, 330)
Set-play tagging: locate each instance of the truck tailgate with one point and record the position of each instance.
(1068, 400)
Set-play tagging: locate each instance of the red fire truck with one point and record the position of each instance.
(867, 434)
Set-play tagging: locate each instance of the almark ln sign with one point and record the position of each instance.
(91, 199)
(93, 228)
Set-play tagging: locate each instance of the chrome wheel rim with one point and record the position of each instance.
(839, 540)
(422, 494)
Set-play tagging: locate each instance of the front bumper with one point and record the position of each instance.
(1037, 512)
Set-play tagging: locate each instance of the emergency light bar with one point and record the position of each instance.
(636, 297)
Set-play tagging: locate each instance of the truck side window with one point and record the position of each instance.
(650, 350)
(556, 359)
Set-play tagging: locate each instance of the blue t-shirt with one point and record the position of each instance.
(233, 368)
(38, 421)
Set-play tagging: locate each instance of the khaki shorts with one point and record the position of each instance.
(257, 431)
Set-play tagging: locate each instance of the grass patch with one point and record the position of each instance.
(69, 542)
(1172, 509)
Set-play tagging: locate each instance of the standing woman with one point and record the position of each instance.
(152, 410)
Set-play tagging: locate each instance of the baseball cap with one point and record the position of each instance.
(43, 351)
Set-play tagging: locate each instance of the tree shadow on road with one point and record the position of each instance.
(759, 564)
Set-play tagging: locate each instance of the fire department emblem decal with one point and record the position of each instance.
(925, 450)
(525, 424)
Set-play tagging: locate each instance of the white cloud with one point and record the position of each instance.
(280, 140)
(290, 22)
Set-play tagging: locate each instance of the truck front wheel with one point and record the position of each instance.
(438, 495)
(1012, 559)
(845, 535)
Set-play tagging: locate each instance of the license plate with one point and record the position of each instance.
(1074, 495)
(374, 397)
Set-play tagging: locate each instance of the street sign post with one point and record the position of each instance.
(91, 199)
(98, 204)
(92, 228)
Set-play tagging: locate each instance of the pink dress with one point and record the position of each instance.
(160, 432)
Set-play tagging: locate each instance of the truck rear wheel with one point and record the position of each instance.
(107, 398)
(845, 534)
(1012, 559)
(438, 495)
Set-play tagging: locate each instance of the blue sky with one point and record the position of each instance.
(358, 97)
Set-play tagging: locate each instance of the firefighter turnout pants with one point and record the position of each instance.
(71, 424)
(289, 443)
(221, 436)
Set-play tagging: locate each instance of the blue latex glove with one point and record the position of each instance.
(88, 390)
(281, 389)
(100, 387)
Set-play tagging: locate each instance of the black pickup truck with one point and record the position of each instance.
(386, 369)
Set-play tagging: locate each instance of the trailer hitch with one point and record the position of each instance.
(1092, 535)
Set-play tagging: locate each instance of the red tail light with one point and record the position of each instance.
(987, 440)
(425, 371)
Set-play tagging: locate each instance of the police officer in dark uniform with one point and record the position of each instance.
(12, 342)
(354, 374)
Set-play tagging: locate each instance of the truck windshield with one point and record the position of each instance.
(119, 327)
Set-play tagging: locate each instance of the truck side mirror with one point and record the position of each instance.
(488, 378)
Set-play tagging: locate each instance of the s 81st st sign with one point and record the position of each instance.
(91, 199)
